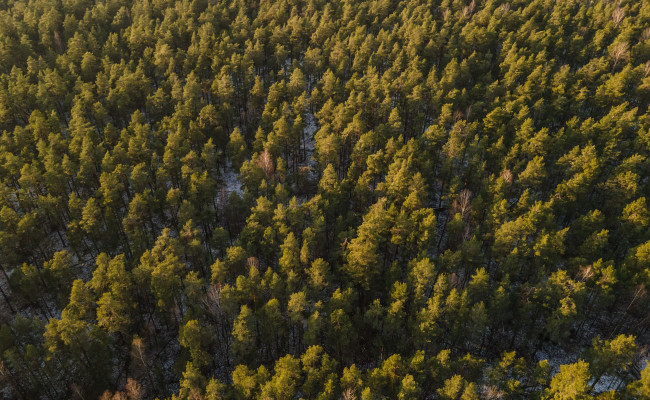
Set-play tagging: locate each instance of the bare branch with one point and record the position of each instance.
(617, 15)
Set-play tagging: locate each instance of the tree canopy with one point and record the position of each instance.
(359, 199)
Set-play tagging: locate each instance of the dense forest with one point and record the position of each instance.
(314, 199)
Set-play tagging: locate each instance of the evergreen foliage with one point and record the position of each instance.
(359, 199)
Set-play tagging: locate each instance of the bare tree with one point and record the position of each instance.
(468, 10)
(141, 359)
(585, 273)
(492, 393)
(619, 51)
(463, 203)
(252, 262)
(265, 161)
(617, 15)
(507, 176)
(133, 389)
(348, 394)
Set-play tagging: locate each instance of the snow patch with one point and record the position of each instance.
(310, 142)
(308, 166)
(230, 180)
(606, 383)
(555, 357)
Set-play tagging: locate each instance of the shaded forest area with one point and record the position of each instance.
(348, 199)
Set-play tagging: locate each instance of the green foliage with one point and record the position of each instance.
(324, 199)
(570, 382)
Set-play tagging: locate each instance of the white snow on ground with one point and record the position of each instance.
(606, 383)
(310, 131)
(230, 179)
(309, 146)
(555, 357)
(310, 141)
(4, 308)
